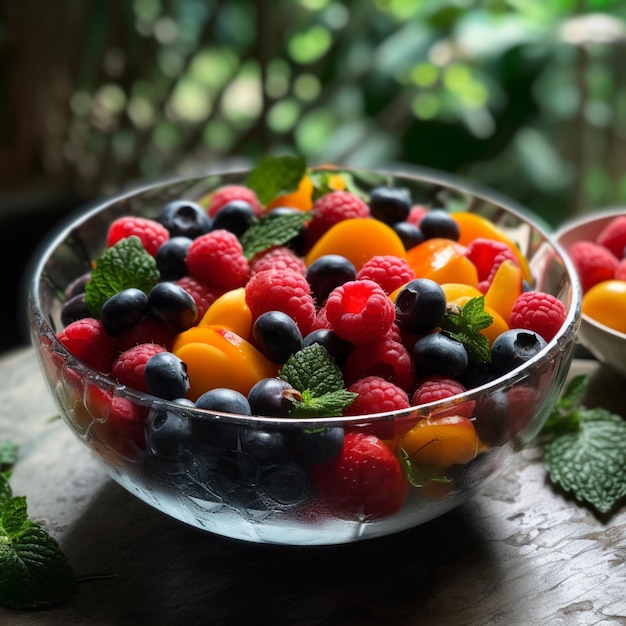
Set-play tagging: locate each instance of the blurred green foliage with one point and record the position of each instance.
(526, 96)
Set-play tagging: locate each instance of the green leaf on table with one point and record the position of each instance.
(590, 462)
(34, 573)
(8, 455)
(271, 230)
(465, 325)
(122, 266)
(276, 175)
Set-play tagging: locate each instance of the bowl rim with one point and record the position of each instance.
(416, 173)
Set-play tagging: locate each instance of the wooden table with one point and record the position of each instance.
(517, 553)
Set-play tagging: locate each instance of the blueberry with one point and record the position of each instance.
(74, 309)
(410, 234)
(171, 258)
(236, 217)
(123, 310)
(266, 446)
(322, 445)
(328, 272)
(439, 223)
(271, 397)
(166, 376)
(185, 218)
(287, 483)
(390, 204)
(513, 348)
(217, 433)
(169, 433)
(338, 347)
(276, 335)
(173, 306)
(77, 286)
(420, 306)
(437, 354)
(224, 400)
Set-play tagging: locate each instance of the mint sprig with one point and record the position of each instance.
(34, 573)
(322, 183)
(465, 325)
(276, 175)
(271, 230)
(587, 453)
(122, 266)
(314, 373)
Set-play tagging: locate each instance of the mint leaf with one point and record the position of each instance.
(314, 373)
(122, 266)
(271, 230)
(324, 181)
(465, 324)
(33, 571)
(591, 462)
(274, 176)
(564, 416)
(420, 475)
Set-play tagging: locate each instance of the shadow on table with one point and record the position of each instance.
(166, 572)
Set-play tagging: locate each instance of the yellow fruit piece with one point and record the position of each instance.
(230, 311)
(605, 302)
(505, 289)
(358, 239)
(474, 226)
(301, 198)
(459, 290)
(217, 357)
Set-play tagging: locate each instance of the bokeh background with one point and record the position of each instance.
(525, 96)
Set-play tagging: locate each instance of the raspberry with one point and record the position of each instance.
(203, 295)
(540, 312)
(360, 311)
(129, 367)
(376, 395)
(613, 236)
(386, 359)
(439, 388)
(148, 330)
(486, 254)
(282, 290)
(279, 258)
(594, 263)
(390, 272)
(416, 213)
(321, 322)
(332, 208)
(229, 193)
(620, 272)
(87, 340)
(217, 259)
(151, 233)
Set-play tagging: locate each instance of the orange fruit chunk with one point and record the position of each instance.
(358, 239)
(442, 260)
(504, 289)
(230, 311)
(301, 198)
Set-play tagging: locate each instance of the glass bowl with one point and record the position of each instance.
(605, 344)
(210, 483)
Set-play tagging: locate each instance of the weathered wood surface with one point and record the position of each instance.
(517, 553)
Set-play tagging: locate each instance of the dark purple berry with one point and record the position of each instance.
(420, 306)
(171, 258)
(410, 234)
(265, 446)
(328, 272)
(224, 400)
(123, 310)
(321, 445)
(515, 347)
(74, 309)
(390, 204)
(439, 223)
(185, 218)
(236, 217)
(174, 306)
(437, 354)
(271, 397)
(276, 335)
(335, 345)
(77, 286)
(166, 376)
(168, 432)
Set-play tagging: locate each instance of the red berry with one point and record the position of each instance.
(277, 258)
(540, 312)
(613, 236)
(360, 311)
(151, 233)
(129, 367)
(229, 193)
(439, 388)
(87, 340)
(332, 208)
(203, 295)
(390, 272)
(487, 254)
(620, 272)
(217, 259)
(376, 395)
(282, 290)
(594, 263)
(416, 213)
(387, 358)
(366, 478)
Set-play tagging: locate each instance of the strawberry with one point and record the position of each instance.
(366, 478)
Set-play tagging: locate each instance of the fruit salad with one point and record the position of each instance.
(328, 300)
